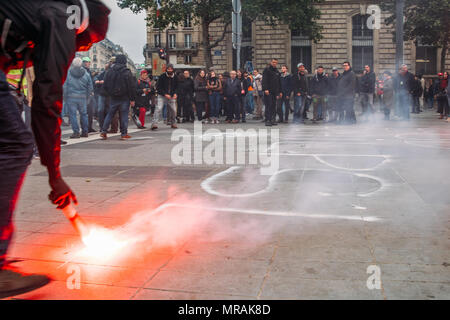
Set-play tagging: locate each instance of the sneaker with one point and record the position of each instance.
(103, 136)
(63, 142)
(85, 135)
(125, 137)
(92, 130)
(13, 282)
(75, 136)
(154, 127)
(174, 126)
(268, 124)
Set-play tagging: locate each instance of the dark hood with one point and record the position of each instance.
(77, 72)
(121, 59)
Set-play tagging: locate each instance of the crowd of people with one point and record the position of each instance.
(232, 97)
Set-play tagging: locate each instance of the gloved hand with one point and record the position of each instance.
(61, 194)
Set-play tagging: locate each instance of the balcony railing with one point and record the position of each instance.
(179, 46)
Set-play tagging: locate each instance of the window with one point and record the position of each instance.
(426, 59)
(157, 40)
(188, 40)
(188, 22)
(187, 59)
(172, 41)
(362, 43)
(301, 50)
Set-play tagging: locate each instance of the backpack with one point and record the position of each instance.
(116, 82)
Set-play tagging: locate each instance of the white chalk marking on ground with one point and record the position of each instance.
(269, 213)
(207, 183)
(318, 157)
(358, 207)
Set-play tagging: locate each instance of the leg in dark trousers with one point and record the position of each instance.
(270, 103)
(16, 150)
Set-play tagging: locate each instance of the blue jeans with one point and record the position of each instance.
(299, 108)
(123, 106)
(101, 110)
(250, 103)
(404, 103)
(214, 100)
(16, 150)
(80, 105)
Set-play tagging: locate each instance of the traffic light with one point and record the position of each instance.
(162, 53)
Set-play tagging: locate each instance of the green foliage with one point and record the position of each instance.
(427, 21)
(298, 14)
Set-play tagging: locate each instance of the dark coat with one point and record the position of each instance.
(367, 83)
(142, 98)
(186, 88)
(300, 84)
(404, 82)
(201, 93)
(232, 87)
(167, 85)
(271, 80)
(347, 84)
(44, 22)
(286, 83)
(333, 83)
(319, 85)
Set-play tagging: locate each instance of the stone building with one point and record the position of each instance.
(345, 37)
(102, 52)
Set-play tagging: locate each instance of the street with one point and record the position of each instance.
(348, 205)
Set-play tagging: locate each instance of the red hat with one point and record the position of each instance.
(440, 74)
(144, 71)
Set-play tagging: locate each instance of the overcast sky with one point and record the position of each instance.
(127, 30)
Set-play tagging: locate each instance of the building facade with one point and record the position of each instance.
(346, 36)
(102, 52)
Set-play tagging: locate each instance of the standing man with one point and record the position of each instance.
(78, 89)
(120, 84)
(366, 91)
(286, 90)
(403, 87)
(167, 95)
(51, 46)
(333, 105)
(272, 90)
(301, 91)
(319, 91)
(258, 94)
(186, 91)
(346, 94)
(91, 103)
(232, 93)
(388, 95)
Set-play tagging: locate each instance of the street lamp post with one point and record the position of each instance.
(399, 6)
(237, 30)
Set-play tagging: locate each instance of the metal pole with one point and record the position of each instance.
(399, 6)
(237, 30)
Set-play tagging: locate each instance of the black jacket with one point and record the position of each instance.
(143, 98)
(167, 85)
(232, 87)
(347, 84)
(404, 82)
(186, 88)
(300, 84)
(286, 84)
(271, 80)
(44, 22)
(319, 85)
(119, 72)
(367, 83)
(416, 88)
(333, 83)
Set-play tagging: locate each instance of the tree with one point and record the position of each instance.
(425, 21)
(298, 14)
